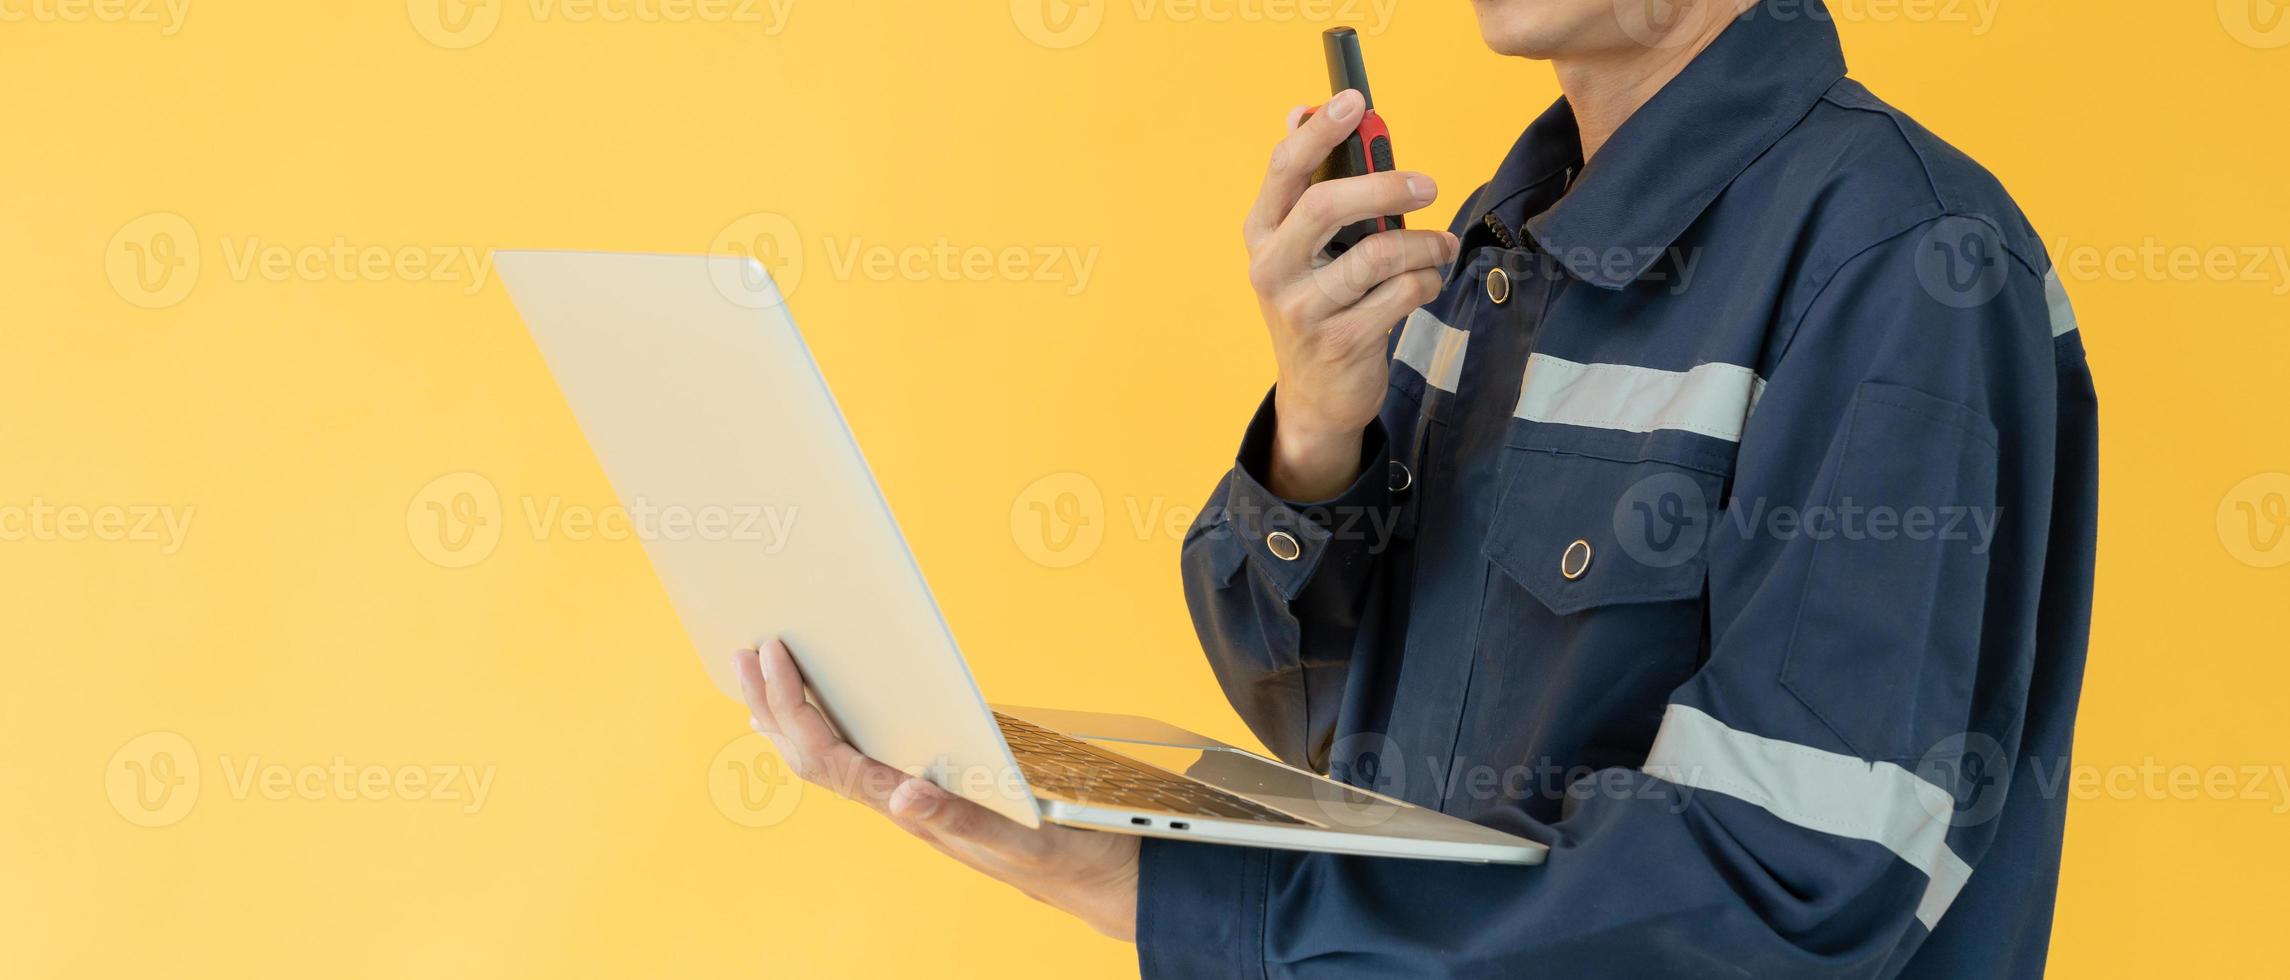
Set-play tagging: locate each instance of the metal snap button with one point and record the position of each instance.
(1283, 545)
(1401, 479)
(1575, 561)
(1498, 285)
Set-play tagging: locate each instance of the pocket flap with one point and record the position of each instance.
(1580, 531)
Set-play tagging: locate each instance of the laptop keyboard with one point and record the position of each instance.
(1069, 767)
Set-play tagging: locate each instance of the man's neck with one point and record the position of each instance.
(1604, 90)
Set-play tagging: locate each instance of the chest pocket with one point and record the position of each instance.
(1591, 517)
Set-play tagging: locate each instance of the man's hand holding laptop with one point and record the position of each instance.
(1090, 875)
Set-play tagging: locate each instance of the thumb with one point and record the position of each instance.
(950, 817)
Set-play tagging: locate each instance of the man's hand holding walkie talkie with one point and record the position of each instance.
(1330, 284)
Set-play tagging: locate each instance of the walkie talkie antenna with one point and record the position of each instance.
(1346, 69)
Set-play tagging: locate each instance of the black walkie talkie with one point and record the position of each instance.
(1368, 149)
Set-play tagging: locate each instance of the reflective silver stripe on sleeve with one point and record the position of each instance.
(1818, 790)
(1712, 399)
(2055, 298)
(1433, 349)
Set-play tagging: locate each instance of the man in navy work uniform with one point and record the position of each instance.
(1720, 512)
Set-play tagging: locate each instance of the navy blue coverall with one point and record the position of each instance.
(1728, 526)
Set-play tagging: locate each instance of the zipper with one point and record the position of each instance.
(1502, 234)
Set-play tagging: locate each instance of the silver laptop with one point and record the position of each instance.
(697, 393)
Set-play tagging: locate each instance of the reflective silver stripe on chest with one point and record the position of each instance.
(1711, 399)
(1433, 349)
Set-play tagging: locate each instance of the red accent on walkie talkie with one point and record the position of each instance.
(1375, 136)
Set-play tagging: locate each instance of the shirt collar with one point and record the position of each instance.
(1676, 153)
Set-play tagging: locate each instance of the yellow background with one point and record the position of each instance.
(301, 423)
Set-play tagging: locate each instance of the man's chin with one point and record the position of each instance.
(1535, 32)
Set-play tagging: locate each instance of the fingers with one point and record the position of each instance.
(821, 757)
(772, 687)
(1390, 302)
(1326, 207)
(928, 810)
(750, 671)
(1293, 161)
(1377, 258)
(770, 681)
